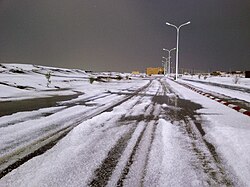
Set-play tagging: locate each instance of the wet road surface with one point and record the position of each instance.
(10, 107)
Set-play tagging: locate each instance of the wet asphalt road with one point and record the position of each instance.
(11, 107)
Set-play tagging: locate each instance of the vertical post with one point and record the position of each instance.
(177, 53)
(164, 65)
(177, 45)
(164, 68)
(169, 58)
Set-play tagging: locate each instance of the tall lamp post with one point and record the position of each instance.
(164, 64)
(169, 57)
(177, 45)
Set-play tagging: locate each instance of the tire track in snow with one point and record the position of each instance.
(23, 156)
(135, 169)
(117, 164)
(60, 103)
(12, 160)
(210, 162)
(103, 173)
(38, 115)
(205, 152)
(130, 161)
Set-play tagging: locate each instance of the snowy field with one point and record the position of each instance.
(226, 80)
(137, 131)
(19, 81)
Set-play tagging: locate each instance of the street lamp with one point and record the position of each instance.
(169, 57)
(177, 44)
(164, 65)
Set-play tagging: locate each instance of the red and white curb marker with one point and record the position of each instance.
(235, 107)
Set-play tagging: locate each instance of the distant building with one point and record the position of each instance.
(154, 71)
(135, 72)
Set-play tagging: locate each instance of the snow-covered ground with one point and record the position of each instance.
(147, 138)
(23, 81)
(18, 81)
(244, 83)
(226, 80)
(227, 129)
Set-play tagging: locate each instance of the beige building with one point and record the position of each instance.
(154, 71)
(135, 72)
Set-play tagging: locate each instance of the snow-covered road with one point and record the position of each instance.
(151, 137)
(139, 132)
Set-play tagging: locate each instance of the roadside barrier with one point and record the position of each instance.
(235, 107)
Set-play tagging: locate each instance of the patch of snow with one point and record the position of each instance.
(229, 80)
(227, 129)
(228, 92)
(169, 158)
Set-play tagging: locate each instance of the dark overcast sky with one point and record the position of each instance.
(125, 35)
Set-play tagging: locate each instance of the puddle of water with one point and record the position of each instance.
(10, 107)
(177, 108)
